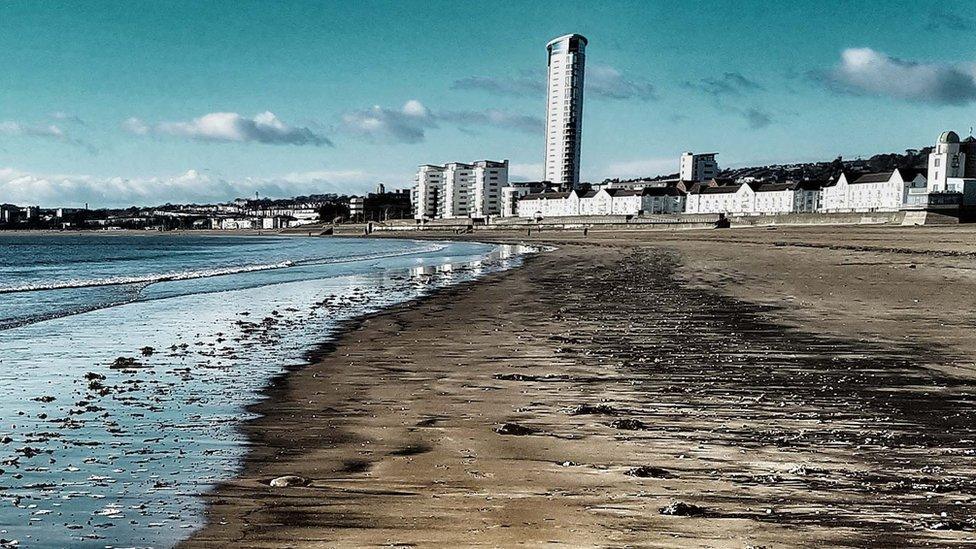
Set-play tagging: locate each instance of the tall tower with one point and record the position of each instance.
(564, 109)
(946, 162)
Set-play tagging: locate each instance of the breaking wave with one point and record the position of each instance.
(207, 273)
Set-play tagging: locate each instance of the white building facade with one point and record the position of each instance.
(774, 198)
(515, 192)
(601, 202)
(873, 192)
(728, 199)
(555, 204)
(946, 162)
(564, 109)
(458, 190)
(426, 193)
(952, 169)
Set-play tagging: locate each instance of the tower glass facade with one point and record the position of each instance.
(564, 109)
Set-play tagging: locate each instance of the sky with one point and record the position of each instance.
(142, 103)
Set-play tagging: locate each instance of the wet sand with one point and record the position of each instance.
(801, 387)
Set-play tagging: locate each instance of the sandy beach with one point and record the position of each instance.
(795, 387)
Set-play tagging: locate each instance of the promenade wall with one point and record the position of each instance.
(643, 222)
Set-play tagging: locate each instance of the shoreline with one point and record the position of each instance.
(272, 394)
(382, 463)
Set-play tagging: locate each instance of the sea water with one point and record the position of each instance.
(127, 361)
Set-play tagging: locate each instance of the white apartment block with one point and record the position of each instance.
(426, 193)
(602, 202)
(564, 109)
(873, 192)
(552, 204)
(775, 198)
(459, 190)
(789, 197)
(728, 199)
(753, 198)
(697, 167)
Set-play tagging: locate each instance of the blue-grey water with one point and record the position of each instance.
(126, 362)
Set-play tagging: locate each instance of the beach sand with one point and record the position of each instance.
(799, 387)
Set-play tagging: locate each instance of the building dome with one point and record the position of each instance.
(949, 137)
(969, 139)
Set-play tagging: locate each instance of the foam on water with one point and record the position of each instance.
(102, 455)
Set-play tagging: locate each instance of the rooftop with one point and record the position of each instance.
(567, 37)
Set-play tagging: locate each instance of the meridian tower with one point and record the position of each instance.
(564, 109)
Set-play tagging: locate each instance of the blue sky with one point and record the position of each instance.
(148, 102)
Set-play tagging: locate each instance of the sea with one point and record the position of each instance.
(127, 362)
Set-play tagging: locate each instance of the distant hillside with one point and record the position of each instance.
(816, 171)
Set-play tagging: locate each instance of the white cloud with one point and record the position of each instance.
(35, 130)
(409, 123)
(866, 71)
(232, 127)
(66, 117)
(606, 82)
(135, 126)
(496, 118)
(404, 125)
(43, 131)
(51, 190)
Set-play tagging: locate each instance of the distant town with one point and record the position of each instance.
(242, 213)
(939, 179)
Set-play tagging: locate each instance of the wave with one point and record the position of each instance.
(148, 279)
(429, 248)
(143, 279)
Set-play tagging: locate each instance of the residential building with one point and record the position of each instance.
(663, 200)
(736, 198)
(514, 192)
(601, 202)
(237, 223)
(645, 183)
(357, 207)
(697, 167)
(628, 202)
(564, 109)
(549, 204)
(775, 198)
(457, 190)
(873, 192)
(807, 196)
(278, 222)
(426, 194)
(485, 193)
